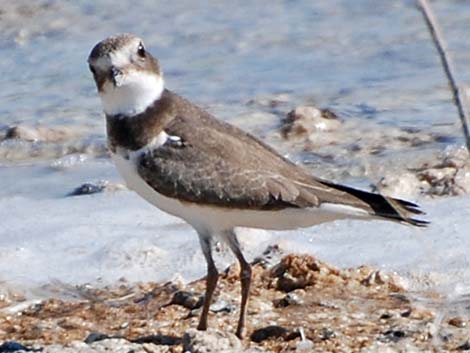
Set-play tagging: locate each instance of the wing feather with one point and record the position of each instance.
(218, 164)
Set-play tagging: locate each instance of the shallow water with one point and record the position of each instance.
(370, 61)
(365, 58)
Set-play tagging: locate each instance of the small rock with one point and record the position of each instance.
(327, 333)
(12, 346)
(394, 335)
(406, 312)
(161, 340)
(25, 133)
(195, 341)
(88, 189)
(124, 346)
(151, 348)
(42, 133)
(94, 188)
(405, 185)
(270, 102)
(96, 337)
(386, 315)
(222, 306)
(297, 272)
(187, 299)
(291, 298)
(267, 332)
(305, 120)
(464, 347)
(458, 322)
(256, 350)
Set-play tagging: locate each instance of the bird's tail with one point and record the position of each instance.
(386, 207)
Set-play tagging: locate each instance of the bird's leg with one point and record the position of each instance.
(211, 279)
(245, 278)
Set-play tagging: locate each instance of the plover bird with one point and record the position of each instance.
(211, 174)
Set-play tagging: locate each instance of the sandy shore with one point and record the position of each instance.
(351, 310)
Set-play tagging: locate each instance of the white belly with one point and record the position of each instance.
(127, 169)
(216, 219)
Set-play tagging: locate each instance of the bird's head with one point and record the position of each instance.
(127, 76)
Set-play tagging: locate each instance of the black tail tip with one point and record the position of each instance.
(414, 209)
(418, 222)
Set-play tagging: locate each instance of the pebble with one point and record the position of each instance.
(327, 333)
(12, 346)
(270, 102)
(95, 337)
(88, 189)
(267, 332)
(222, 306)
(291, 298)
(95, 188)
(464, 347)
(305, 120)
(458, 322)
(42, 133)
(394, 335)
(163, 340)
(215, 341)
(22, 133)
(187, 299)
(212, 340)
(108, 345)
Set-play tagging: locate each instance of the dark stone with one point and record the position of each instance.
(21, 133)
(386, 316)
(187, 299)
(96, 337)
(162, 340)
(268, 332)
(401, 297)
(326, 334)
(464, 347)
(289, 299)
(394, 335)
(406, 313)
(88, 189)
(12, 346)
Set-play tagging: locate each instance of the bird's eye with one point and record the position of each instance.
(141, 50)
(92, 69)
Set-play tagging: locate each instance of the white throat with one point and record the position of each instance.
(135, 92)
